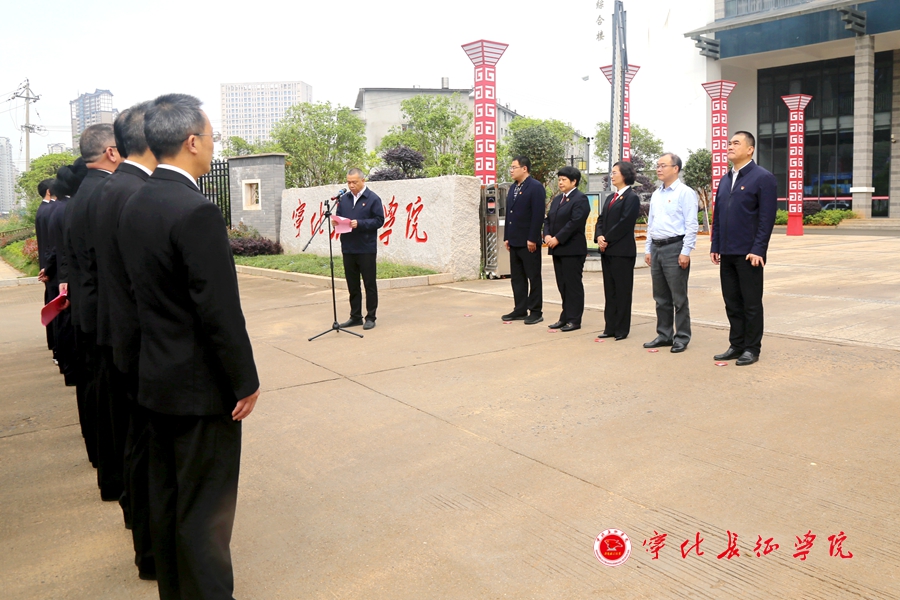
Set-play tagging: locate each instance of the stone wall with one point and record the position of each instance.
(430, 223)
(268, 171)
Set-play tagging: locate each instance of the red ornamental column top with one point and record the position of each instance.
(626, 110)
(796, 131)
(718, 92)
(484, 55)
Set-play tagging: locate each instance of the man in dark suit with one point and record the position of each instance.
(746, 203)
(614, 234)
(118, 336)
(78, 276)
(41, 230)
(525, 205)
(197, 377)
(359, 246)
(564, 236)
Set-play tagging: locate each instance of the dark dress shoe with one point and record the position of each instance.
(570, 327)
(352, 323)
(619, 338)
(533, 319)
(678, 347)
(557, 325)
(659, 342)
(369, 325)
(747, 358)
(513, 317)
(604, 335)
(730, 354)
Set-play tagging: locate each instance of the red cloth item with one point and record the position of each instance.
(52, 309)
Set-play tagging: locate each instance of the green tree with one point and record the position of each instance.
(440, 128)
(322, 143)
(643, 143)
(698, 175)
(238, 146)
(43, 167)
(543, 142)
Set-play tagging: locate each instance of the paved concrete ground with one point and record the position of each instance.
(448, 455)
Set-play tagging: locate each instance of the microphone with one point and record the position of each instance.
(340, 193)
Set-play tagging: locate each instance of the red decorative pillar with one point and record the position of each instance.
(485, 55)
(626, 110)
(719, 91)
(797, 104)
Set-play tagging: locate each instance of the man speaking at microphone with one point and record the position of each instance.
(359, 246)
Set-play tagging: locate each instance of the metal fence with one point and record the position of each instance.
(215, 185)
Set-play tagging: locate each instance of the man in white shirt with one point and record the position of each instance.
(671, 235)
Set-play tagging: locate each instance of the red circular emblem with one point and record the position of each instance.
(612, 547)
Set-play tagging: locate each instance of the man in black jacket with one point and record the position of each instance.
(746, 203)
(564, 236)
(123, 433)
(525, 205)
(359, 246)
(197, 377)
(41, 230)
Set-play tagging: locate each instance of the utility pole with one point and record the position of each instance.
(24, 92)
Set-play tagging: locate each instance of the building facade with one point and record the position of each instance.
(249, 110)
(846, 56)
(380, 109)
(7, 177)
(91, 109)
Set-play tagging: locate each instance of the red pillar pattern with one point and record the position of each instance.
(485, 55)
(719, 91)
(797, 104)
(626, 110)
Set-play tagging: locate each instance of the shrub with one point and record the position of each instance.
(243, 231)
(15, 236)
(829, 217)
(247, 246)
(781, 217)
(811, 207)
(30, 250)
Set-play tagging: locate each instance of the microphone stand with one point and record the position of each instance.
(335, 326)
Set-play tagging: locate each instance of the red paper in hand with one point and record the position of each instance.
(52, 309)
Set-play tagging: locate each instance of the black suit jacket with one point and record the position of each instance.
(745, 216)
(369, 216)
(41, 227)
(616, 224)
(525, 207)
(55, 236)
(195, 356)
(566, 222)
(77, 265)
(117, 324)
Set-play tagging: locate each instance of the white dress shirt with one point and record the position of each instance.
(673, 212)
(182, 171)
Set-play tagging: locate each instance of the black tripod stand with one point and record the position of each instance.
(327, 215)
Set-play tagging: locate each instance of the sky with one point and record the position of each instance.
(141, 50)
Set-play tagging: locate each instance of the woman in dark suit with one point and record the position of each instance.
(615, 237)
(564, 236)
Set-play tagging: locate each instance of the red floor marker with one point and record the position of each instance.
(507, 322)
(722, 364)
(467, 315)
(653, 350)
(598, 340)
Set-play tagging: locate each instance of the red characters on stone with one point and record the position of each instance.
(804, 545)
(695, 547)
(389, 217)
(835, 549)
(732, 549)
(297, 216)
(764, 547)
(412, 221)
(657, 542)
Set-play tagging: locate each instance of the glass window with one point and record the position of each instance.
(881, 165)
(844, 171)
(827, 162)
(779, 163)
(811, 163)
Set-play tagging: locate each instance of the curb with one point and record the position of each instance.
(19, 281)
(341, 284)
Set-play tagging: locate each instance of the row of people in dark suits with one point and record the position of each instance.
(742, 226)
(166, 367)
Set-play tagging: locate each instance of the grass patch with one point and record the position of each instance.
(13, 255)
(318, 265)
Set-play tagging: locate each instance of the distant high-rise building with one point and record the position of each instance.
(250, 109)
(90, 109)
(7, 177)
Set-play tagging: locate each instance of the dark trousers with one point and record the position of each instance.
(354, 266)
(65, 350)
(618, 289)
(525, 273)
(51, 329)
(670, 291)
(568, 270)
(86, 390)
(194, 467)
(112, 428)
(136, 476)
(742, 289)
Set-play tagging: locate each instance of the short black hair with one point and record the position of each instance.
(676, 160)
(129, 130)
(69, 178)
(95, 140)
(570, 173)
(748, 136)
(169, 121)
(523, 162)
(627, 170)
(44, 187)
